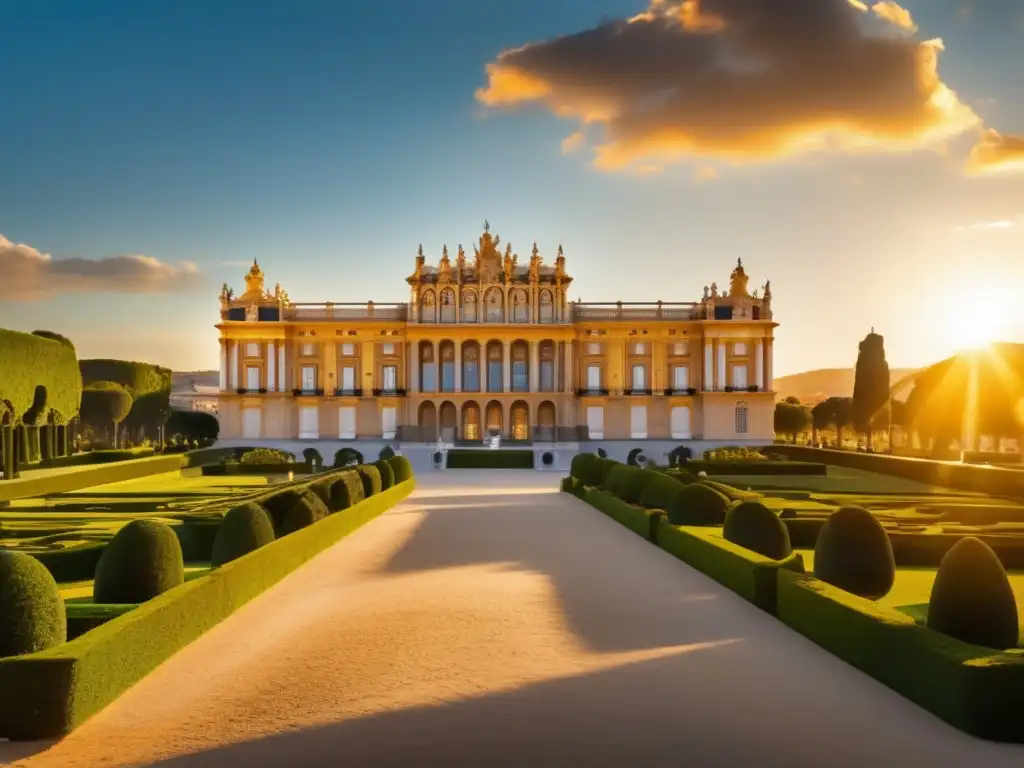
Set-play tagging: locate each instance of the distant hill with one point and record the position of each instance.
(814, 386)
(182, 381)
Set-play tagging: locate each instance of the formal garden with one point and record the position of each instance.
(907, 569)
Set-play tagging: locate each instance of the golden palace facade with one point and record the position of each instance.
(489, 346)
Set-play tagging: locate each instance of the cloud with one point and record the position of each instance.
(996, 153)
(238, 264)
(705, 173)
(573, 141)
(740, 80)
(26, 274)
(990, 226)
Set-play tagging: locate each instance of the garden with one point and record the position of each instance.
(918, 584)
(114, 567)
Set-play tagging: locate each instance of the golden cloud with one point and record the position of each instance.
(740, 80)
(573, 141)
(30, 275)
(705, 173)
(996, 152)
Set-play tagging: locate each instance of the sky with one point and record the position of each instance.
(867, 158)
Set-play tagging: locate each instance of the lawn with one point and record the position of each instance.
(841, 480)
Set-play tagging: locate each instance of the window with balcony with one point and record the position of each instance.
(741, 418)
(252, 378)
(593, 377)
(639, 379)
(739, 376)
(307, 383)
(389, 374)
(680, 378)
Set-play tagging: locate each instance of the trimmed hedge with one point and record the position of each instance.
(28, 361)
(31, 609)
(244, 528)
(698, 504)
(142, 561)
(84, 477)
(98, 457)
(973, 688)
(387, 474)
(50, 693)
(370, 478)
(752, 525)
(219, 470)
(487, 459)
(659, 490)
(346, 491)
(750, 575)
(643, 522)
(309, 509)
(739, 467)
(626, 482)
(853, 552)
(401, 467)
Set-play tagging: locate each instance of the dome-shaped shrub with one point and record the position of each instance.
(387, 475)
(853, 552)
(244, 528)
(322, 488)
(626, 482)
(972, 599)
(32, 614)
(280, 504)
(401, 467)
(143, 560)
(370, 477)
(658, 489)
(752, 525)
(308, 509)
(698, 504)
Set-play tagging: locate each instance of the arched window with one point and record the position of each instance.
(520, 418)
(470, 369)
(447, 306)
(547, 307)
(428, 308)
(494, 365)
(520, 368)
(495, 306)
(447, 367)
(428, 370)
(469, 307)
(547, 366)
(520, 307)
(742, 414)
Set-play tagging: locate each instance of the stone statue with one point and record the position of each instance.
(510, 263)
(460, 262)
(252, 314)
(707, 293)
(535, 265)
(446, 265)
(738, 281)
(714, 290)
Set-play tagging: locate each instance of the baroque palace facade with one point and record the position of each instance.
(487, 346)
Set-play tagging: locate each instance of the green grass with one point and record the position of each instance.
(81, 591)
(839, 480)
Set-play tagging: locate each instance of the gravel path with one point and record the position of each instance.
(489, 621)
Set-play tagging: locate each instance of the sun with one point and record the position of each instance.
(978, 319)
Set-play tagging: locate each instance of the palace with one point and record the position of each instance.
(487, 347)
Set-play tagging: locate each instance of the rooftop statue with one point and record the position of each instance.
(535, 262)
(738, 281)
(254, 282)
(510, 263)
(487, 261)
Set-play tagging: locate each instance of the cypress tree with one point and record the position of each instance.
(870, 384)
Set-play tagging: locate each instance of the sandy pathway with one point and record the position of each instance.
(493, 621)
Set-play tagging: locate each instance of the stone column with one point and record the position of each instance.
(282, 373)
(556, 368)
(722, 378)
(271, 372)
(458, 365)
(223, 365)
(709, 366)
(233, 366)
(414, 367)
(759, 365)
(506, 367)
(437, 375)
(482, 370)
(768, 365)
(534, 377)
(570, 369)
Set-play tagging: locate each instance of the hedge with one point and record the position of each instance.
(138, 378)
(488, 459)
(50, 693)
(98, 457)
(993, 481)
(28, 361)
(217, 470)
(87, 476)
(750, 575)
(972, 688)
(739, 467)
(643, 522)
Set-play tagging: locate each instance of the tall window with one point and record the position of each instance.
(428, 311)
(471, 422)
(680, 378)
(390, 375)
(448, 367)
(494, 374)
(520, 422)
(448, 306)
(494, 307)
(520, 369)
(593, 377)
(547, 307)
(739, 376)
(308, 348)
(470, 371)
(308, 378)
(639, 377)
(741, 419)
(428, 373)
(348, 378)
(547, 368)
(252, 377)
(348, 350)
(469, 307)
(521, 308)
(252, 349)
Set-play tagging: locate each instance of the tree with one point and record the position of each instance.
(870, 384)
(53, 336)
(105, 404)
(792, 400)
(834, 413)
(791, 419)
(149, 412)
(193, 425)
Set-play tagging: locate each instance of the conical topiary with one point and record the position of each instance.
(972, 599)
(387, 474)
(370, 477)
(32, 616)
(697, 504)
(244, 528)
(752, 525)
(401, 467)
(143, 560)
(853, 552)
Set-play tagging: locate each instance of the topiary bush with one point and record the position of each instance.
(678, 455)
(313, 457)
(853, 552)
(308, 509)
(143, 560)
(370, 477)
(752, 525)
(244, 528)
(346, 490)
(626, 482)
(387, 452)
(343, 457)
(32, 616)
(387, 475)
(582, 466)
(697, 504)
(972, 599)
(322, 488)
(569, 484)
(602, 453)
(658, 489)
(633, 459)
(401, 467)
(266, 456)
(280, 504)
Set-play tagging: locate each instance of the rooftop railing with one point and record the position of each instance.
(346, 311)
(612, 310)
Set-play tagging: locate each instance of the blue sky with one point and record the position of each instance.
(330, 139)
